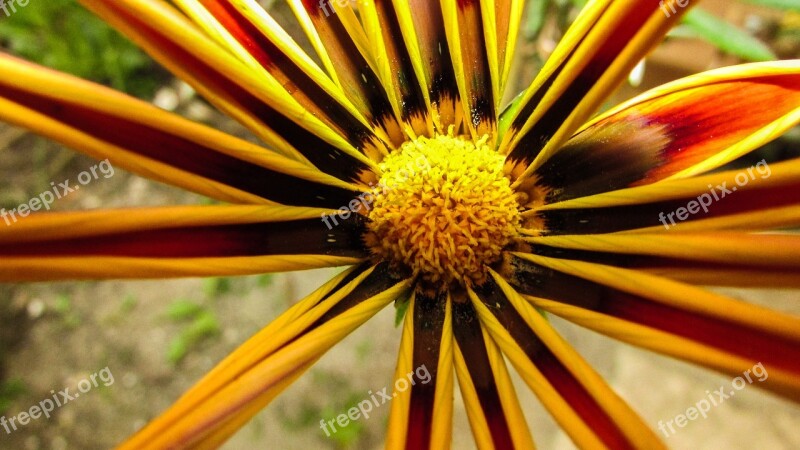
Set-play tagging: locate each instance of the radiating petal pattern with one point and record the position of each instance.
(251, 34)
(587, 409)
(421, 415)
(757, 198)
(177, 241)
(743, 332)
(595, 56)
(144, 139)
(493, 409)
(272, 114)
(614, 219)
(680, 129)
(256, 370)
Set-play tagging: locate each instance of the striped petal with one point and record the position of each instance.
(501, 40)
(229, 84)
(422, 26)
(251, 376)
(422, 412)
(495, 415)
(758, 198)
(677, 130)
(250, 33)
(174, 242)
(340, 39)
(577, 397)
(394, 65)
(726, 335)
(768, 260)
(595, 56)
(151, 142)
(465, 27)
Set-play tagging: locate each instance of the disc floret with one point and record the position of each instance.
(444, 210)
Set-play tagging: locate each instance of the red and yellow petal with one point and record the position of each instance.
(250, 33)
(340, 39)
(768, 260)
(422, 26)
(595, 56)
(394, 66)
(737, 334)
(154, 143)
(422, 408)
(174, 242)
(762, 197)
(464, 24)
(681, 129)
(577, 397)
(493, 408)
(232, 86)
(250, 377)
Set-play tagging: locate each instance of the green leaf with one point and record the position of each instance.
(537, 16)
(401, 306)
(726, 36)
(216, 286)
(793, 5)
(204, 326)
(181, 310)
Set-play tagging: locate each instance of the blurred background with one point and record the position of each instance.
(158, 337)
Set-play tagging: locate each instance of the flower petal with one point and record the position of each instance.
(759, 198)
(577, 397)
(595, 56)
(464, 25)
(253, 374)
(229, 84)
(769, 260)
(394, 65)
(341, 39)
(154, 143)
(422, 25)
(741, 331)
(501, 39)
(250, 33)
(492, 405)
(173, 242)
(677, 130)
(421, 416)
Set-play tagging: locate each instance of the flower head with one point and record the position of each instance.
(395, 155)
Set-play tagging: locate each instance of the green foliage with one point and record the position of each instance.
(63, 35)
(726, 36)
(789, 5)
(63, 308)
(216, 286)
(306, 416)
(401, 306)
(200, 326)
(10, 391)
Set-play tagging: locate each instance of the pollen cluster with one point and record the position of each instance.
(443, 210)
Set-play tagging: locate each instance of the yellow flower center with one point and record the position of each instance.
(443, 210)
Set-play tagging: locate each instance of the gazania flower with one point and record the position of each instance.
(395, 156)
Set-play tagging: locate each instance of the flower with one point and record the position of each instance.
(394, 156)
